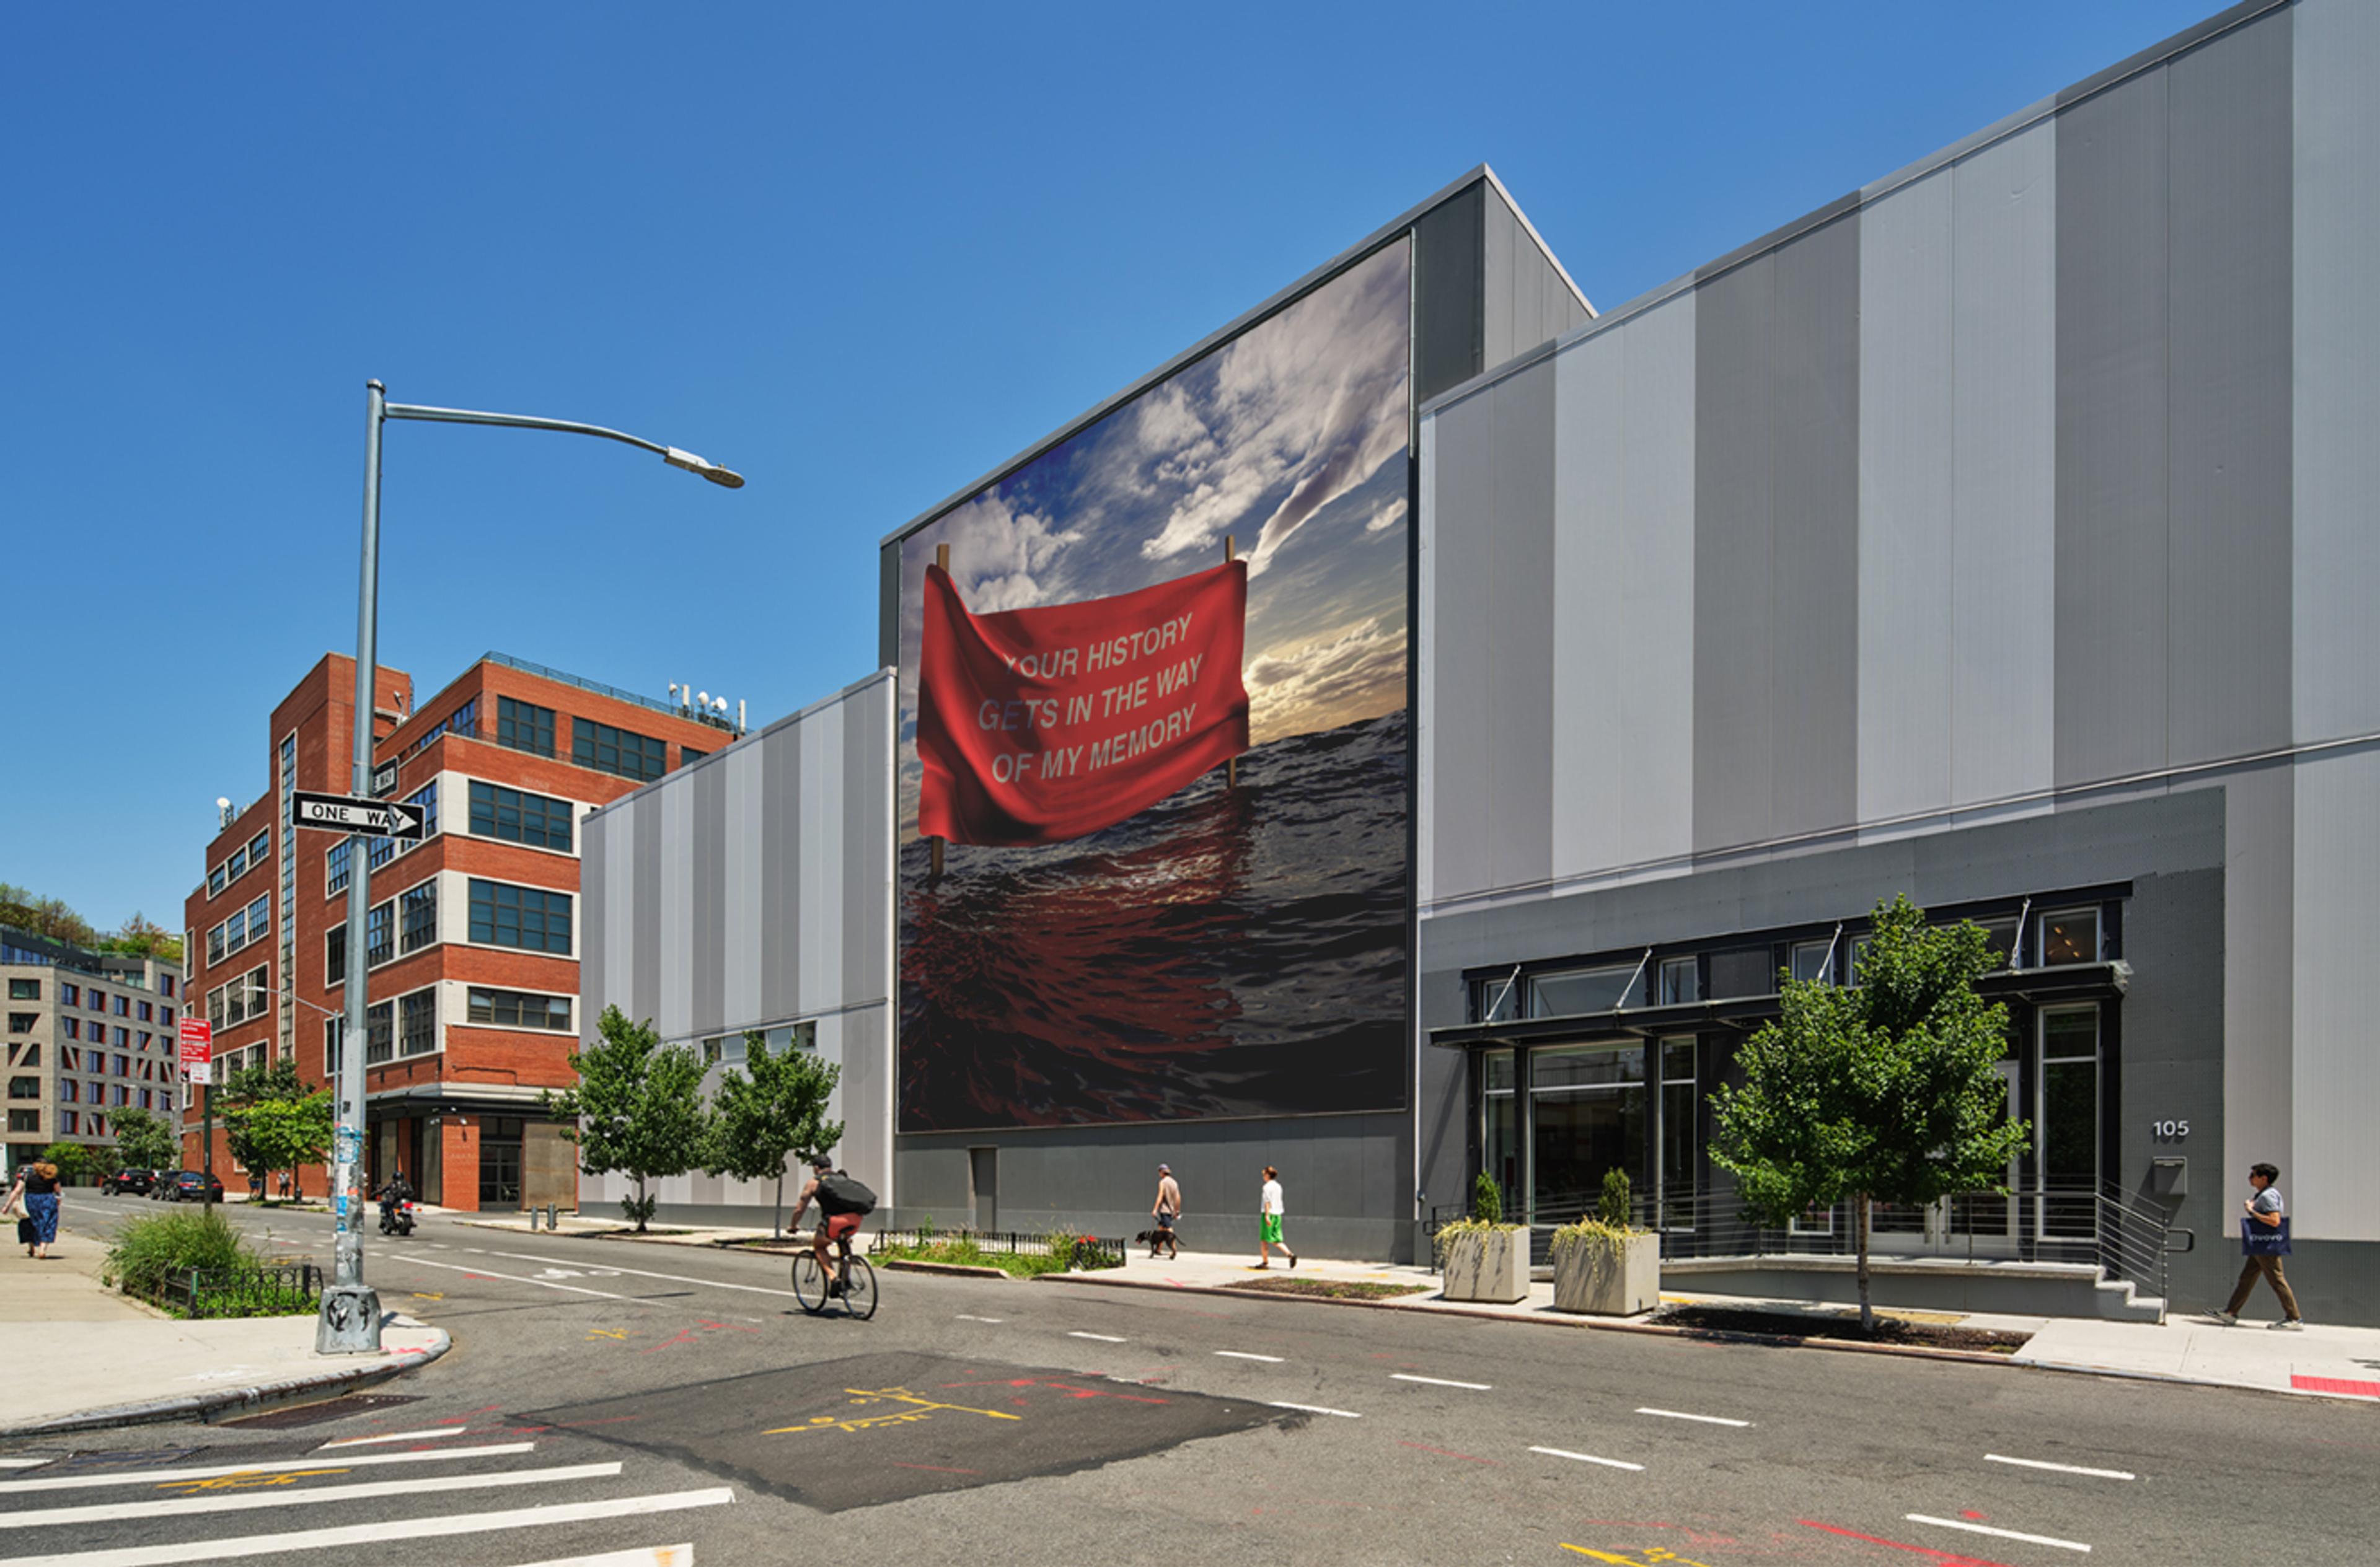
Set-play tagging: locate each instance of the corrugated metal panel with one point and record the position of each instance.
(1734, 759)
(595, 914)
(746, 916)
(675, 808)
(2336, 1077)
(1907, 513)
(2004, 604)
(2259, 919)
(2230, 613)
(1424, 667)
(866, 842)
(2112, 411)
(1592, 745)
(1814, 403)
(646, 909)
(1656, 586)
(820, 960)
(1446, 295)
(2336, 344)
(1501, 244)
(1520, 800)
(781, 858)
(708, 785)
(1461, 648)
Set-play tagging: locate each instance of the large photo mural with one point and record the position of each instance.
(1153, 747)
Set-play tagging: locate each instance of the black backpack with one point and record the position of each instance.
(839, 1192)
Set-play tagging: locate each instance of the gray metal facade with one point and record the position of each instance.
(754, 890)
(2030, 481)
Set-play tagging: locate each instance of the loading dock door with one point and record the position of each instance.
(983, 1189)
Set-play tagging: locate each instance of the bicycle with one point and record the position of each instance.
(854, 1283)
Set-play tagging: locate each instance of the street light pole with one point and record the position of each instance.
(350, 1319)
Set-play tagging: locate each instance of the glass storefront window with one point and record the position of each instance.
(1576, 992)
(1679, 981)
(1499, 1142)
(2067, 1127)
(1587, 1114)
(1677, 1109)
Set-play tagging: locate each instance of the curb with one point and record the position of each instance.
(199, 1405)
(954, 1270)
(2073, 1368)
(1654, 1329)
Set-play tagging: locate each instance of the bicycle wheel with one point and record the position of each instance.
(810, 1282)
(859, 1289)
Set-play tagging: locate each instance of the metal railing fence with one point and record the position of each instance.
(1087, 1251)
(290, 1289)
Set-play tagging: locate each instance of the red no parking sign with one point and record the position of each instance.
(197, 1051)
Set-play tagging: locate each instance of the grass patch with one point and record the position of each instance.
(963, 1252)
(1330, 1289)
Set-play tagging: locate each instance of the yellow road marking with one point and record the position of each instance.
(247, 1479)
(916, 1408)
(607, 1332)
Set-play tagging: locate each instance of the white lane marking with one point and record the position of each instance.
(1996, 1534)
(1588, 1458)
(1243, 1355)
(2061, 1468)
(244, 1501)
(159, 1555)
(432, 1432)
(965, 1318)
(1316, 1409)
(1103, 1338)
(1441, 1382)
(1681, 1414)
(208, 1472)
(606, 1271)
(644, 1556)
(23, 1462)
(508, 1278)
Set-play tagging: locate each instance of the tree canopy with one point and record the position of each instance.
(55, 919)
(775, 1107)
(638, 1108)
(1887, 1090)
(143, 1142)
(273, 1121)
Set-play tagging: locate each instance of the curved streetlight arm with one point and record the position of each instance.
(672, 456)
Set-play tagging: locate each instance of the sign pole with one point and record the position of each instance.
(943, 560)
(350, 1322)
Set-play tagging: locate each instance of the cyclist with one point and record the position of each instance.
(835, 1223)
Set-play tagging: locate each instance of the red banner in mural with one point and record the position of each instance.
(1036, 726)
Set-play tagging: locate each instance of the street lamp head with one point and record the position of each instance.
(705, 466)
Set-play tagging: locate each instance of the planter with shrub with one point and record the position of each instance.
(1606, 1266)
(1482, 1258)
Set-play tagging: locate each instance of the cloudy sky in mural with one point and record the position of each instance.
(1291, 440)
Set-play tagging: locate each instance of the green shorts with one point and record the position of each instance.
(1268, 1229)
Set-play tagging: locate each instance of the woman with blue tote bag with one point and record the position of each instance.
(2264, 1237)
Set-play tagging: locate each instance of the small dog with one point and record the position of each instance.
(1155, 1238)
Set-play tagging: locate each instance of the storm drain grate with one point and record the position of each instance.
(315, 1414)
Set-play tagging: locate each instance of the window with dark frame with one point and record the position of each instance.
(417, 917)
(523, 726)
(537, 820)
(380, 1020)
(519, 1009)
(380, 934)
(532, 919)
(334, 954)
(418, 1033)
(623, 752)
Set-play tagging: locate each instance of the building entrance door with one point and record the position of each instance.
(1587, 1114)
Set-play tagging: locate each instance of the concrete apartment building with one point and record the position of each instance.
(89, 1034)
(472, 940)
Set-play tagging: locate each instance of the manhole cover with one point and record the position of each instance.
(315, 1414)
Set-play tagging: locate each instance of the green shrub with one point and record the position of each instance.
(1593, 1234)
(177, 1241)
(1615, 1207)
(1486, 1200)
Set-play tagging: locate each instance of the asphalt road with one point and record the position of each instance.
(606, 1397)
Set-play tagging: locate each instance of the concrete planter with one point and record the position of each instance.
(1610, 1280)
(1488, 1265)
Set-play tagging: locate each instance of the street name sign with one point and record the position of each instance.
(345, 813)
(198, 1050)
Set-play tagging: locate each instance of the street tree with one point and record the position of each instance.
(270, 1116)
(775, 1107)
(73, 1159)
(143, 1142)
(638, 1108)
(1884, 1091)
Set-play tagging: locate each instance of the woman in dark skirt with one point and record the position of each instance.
(38, 1185)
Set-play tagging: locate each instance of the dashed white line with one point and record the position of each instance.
(430, 1434)
(1588, 1458)
(1996, 1534)
(241, 1501)
(965, 1318)
(2061, 1468)
(210, 1471)
(157, 1553)
(1102, 1338)
(1441, 1382)
(1315, 1409)
(24, 1462)
(644, 1556)
(1681, 1414)
(1243, 1355)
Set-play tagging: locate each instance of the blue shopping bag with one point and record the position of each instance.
(2263, 1240)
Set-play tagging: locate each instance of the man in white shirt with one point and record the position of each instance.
(1270, 1212)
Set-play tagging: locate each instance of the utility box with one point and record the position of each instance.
(2169, 1178)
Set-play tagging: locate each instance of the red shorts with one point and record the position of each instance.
(842, 1227)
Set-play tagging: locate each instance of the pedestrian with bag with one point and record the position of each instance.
(37, 1189)
(2264, 1237)
(1271, 1211)
(1165, 1211)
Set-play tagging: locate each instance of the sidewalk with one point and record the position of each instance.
(106, 1360)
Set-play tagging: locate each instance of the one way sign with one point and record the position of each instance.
(345, 813)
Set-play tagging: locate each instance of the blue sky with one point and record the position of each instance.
(862, 260)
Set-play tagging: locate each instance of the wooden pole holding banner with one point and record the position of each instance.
(1232, 768)
(943, 560)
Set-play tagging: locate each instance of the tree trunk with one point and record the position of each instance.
(777, 1214)
(641, 1211)
(1867, 1308)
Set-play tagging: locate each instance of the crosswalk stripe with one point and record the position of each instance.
(156, 1554)
(208, 1471)
(394, 1436)
(249, 1500)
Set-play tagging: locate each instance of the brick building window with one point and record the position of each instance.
(379, 936)
(417, 917)
(519, 1009)
(533, 819)
(526, 917)
(335, 865)
(379, 1022)
(334, 955)
(621, 752)
(523, 726)
(418, 1033)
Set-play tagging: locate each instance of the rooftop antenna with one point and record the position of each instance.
(223, 810)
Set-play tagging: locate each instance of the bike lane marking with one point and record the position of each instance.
(647, 1273)
(508, 1278)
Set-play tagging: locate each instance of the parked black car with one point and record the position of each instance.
(139, 1182)
(192, 1185)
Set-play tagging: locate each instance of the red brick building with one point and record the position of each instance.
(472, 941)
